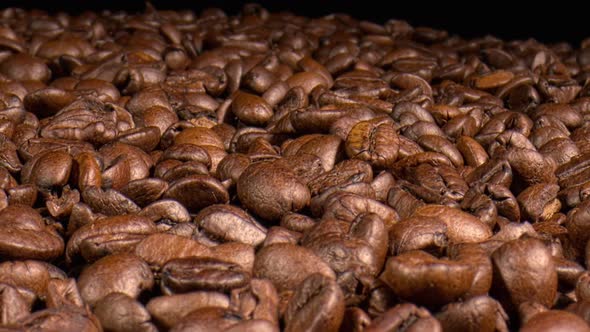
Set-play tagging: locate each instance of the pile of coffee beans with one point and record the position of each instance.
(198, 171)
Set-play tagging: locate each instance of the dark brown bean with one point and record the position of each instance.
(123, 273)
(317, 305)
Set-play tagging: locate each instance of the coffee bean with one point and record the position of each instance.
(326, 147)
(47, 102)
(516, 253)
(109, 202)
(25, 236)
(197, 191)
(48, 170)
(484, 312)
(103, 230)
(166, 210)
(169, 309)
(416, 275)
(145, 191)
(30, 275)
(251, 109)
(123, 273)
(63, 292)
(296, 262)
(65, 318)
(317, 305)
(403, 315)
(189, 274)
(555, 319)
(270, 190)
(24, 67)
(230, 224)
(207, 319)
(373, 141)
(157, 249)
(14, 306)
(119, 312)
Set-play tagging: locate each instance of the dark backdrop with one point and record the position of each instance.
(547, 20)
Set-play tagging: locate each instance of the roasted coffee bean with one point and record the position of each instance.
(297, 222)
(343, 173)
(193, 274)
(47, 102)
(236, 253)
(24, 235)
(472, 152)
(441, 145)
(405, 315)
(494, 171)
(109, 202)
(480, 205)
(577, 221)
(347, 206)
(403, 201)
(317, 305)
(157, 249)
(123, 273)
(187, 152)
(493, 80)
(232, 166)
(166, 210)
(139, 161)
(359, 247)
(122, 233)
(66, 318)
(24, 67)
(480, 313)
(258, 301)
(182, 170)
(25, 195)
(296, 263)
(254, 325)
(355, 319)
(271, 190)
(536, 280)
(197, 191)
(13, 305)
(207, 319)
(119, 312)
(87, 119)
(9, 158)
(326, 147)
(555, 320)
(169, 309)
(61, 207)
(539, 202)
(230, 224)
(63, 292)
(459, 223)
(30, 275)
(51, 169)
(251, 109)
(530, 166)
(375, 142)
(582, 286)
(416, 275)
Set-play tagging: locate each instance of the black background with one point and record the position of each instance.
(547, 21)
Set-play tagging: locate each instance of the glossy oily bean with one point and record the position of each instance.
(270, 191)
(317, 305)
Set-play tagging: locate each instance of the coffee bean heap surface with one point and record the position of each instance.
(200, 171)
